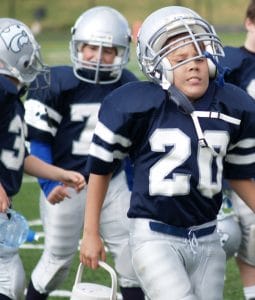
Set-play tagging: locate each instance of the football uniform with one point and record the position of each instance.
(62, 119)
(177, 187)
(21, 61)
(241, 63)
(13, 152)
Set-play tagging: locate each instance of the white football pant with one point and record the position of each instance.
(246, 219)
(12, 274)
(170, 267)
(63, 223)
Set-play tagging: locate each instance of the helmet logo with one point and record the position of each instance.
(101, 38)
(15, 37)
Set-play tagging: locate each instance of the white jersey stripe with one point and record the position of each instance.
(34, 111)
(240, 159)
(103, 154)
(108, 136)
(245, 144)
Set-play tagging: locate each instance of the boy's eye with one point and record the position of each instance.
(177, 61)
(109, 51)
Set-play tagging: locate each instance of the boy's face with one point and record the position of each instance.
(92, 53)
(192, 78)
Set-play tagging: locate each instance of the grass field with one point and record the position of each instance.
(55, 51)
(26, 202)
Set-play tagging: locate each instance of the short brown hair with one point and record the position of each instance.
(250, 12)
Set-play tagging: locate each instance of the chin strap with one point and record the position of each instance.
(22, 90)
(184, 104)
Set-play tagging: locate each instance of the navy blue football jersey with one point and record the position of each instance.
(65, 113)
(12, 137)
(176, 181)
(241, 65)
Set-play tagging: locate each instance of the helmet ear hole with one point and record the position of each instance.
(23, 63)
(211, 66)
(167, 71)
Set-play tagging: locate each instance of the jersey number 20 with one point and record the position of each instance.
(209, 184)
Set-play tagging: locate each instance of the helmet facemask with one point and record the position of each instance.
(97, 71)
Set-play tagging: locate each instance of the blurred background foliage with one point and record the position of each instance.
(51, 20)
(60, 14)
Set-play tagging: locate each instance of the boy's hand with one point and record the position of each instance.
(4, 200)
(73, 179)
(92, 250)
(58, 194)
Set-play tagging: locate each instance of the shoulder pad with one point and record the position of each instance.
(7, 85)
(127, 76)
(240, 99)
(137, 96)
(233, 57)
(63, 78)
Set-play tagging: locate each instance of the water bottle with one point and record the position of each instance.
(14, 229)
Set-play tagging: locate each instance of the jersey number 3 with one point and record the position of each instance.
(13, 159)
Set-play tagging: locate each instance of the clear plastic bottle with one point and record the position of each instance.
(14, 229)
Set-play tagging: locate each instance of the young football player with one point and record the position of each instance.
(20, 62)
(61, 120)
(182, 133)
(241, 64)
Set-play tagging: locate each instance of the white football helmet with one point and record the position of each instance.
(104, 27)
(19, 52)
(229, 232)
(168, 22)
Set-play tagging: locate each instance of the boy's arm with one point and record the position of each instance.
(92, 248)
(38, 168)
(245, 189)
